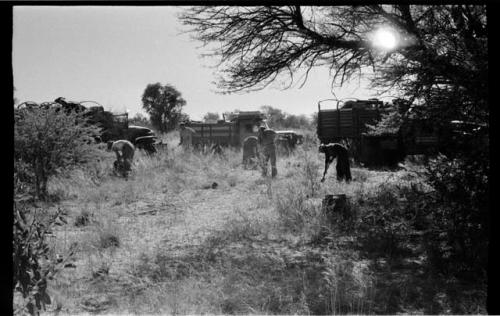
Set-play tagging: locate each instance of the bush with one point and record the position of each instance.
(48, 141)
(458, 223)
(308, 171)
(384, 222)
(108, 236)
(33, 265)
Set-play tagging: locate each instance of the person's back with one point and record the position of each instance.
(267, 138)
(124, 151)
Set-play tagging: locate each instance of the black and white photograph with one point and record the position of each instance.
(250, 159)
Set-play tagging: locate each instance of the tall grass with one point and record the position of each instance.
(265, 247)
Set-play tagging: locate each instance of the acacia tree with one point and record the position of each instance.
(440, 61)
(164, 105)
(442, 50)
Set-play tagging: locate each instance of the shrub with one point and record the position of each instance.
(383, 223)
(33, 265)
(108, 237)
(458, 223)
(48, 141)
(309, 172)
(349, 286)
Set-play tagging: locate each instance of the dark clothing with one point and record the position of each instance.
(340, 152)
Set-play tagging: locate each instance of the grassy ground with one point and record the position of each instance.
(195, 234)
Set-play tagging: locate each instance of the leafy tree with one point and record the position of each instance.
(440, 62)
(389, 124)
(48, 141)
(210, 116)
(184, 118)
(296, 121)
(275, 117)
(140, 120)
(164, 105)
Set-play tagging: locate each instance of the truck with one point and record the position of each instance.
(230, 132)
(113, 126)
(287, 141)
(348, 123)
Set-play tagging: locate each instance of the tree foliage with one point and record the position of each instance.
(440, 62)
(278, 119)
(33, 263)
(442, 49)
(140, 120)
(164, 105)
(459, 219)
(211, 116)
(48, 141)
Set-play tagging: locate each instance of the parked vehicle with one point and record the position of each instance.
(287, 141)
(347, 123)
(113, 126)
(227, 132)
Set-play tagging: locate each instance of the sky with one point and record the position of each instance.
(109, 54)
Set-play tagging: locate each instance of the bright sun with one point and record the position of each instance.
(384, 39)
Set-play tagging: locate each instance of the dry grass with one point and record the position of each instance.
(167, 242)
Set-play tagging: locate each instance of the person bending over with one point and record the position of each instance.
(332, 151)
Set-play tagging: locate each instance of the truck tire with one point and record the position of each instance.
(146, 143)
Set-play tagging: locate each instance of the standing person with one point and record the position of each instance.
(186, 136)
(124, 151)
(267, 145)
(250, 151)
(332, 151)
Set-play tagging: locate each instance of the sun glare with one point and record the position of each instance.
(385, 39)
